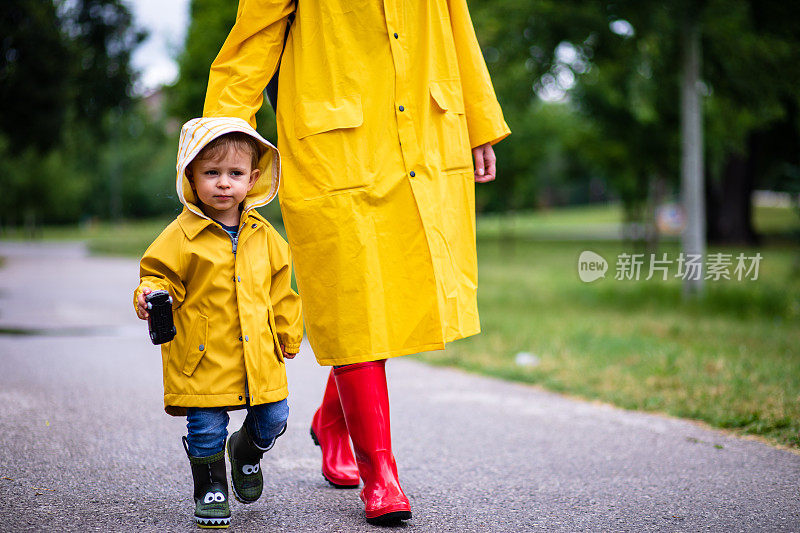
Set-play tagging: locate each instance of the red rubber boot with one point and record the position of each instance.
(329, 431)
(365, 402)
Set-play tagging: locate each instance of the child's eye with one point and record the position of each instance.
(211, 172)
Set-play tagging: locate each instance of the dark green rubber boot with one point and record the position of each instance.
(245, 457)
(211, 508)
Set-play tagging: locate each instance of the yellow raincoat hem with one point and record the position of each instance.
(362, 358)
(176, 404)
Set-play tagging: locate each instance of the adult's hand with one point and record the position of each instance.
(484, 163)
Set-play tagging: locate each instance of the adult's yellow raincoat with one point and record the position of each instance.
(233, 303)
(379, 103)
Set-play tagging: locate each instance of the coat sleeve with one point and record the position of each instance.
(484, 117)
(248, 59)
(160, 269)
(285, 302)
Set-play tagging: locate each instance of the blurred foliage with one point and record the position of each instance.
(615, 65)
(74, 142)
(590, 90)
(63, 61)
(127, 174)
(32, 47)
(209, 24)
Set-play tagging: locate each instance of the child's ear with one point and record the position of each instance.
(254, 175)
(189, 176)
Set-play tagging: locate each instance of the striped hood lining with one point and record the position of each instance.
(198, 132)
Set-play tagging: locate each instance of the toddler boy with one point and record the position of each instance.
(228, 272)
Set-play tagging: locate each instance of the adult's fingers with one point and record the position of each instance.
(491, 160)
(487, 158)
(477, 153)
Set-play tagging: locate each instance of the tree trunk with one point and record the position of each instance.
(730, 217)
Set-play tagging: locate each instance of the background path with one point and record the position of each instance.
(85, 444)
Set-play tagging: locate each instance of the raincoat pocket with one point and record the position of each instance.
(344, 6)
(451, 124)
(195, 344)
(329, 135)
(327, 115)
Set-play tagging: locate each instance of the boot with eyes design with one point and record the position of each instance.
(245, 456)
(211, 508)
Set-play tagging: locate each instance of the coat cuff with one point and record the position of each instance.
(290, 345)
(144, 285)
(485, 123)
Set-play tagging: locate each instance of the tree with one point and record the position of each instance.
(35, 59)
(102, 38)
(65, 72)
(209, 25)
(752, 121)
(618, 63)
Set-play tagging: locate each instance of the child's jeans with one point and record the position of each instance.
(208, 426)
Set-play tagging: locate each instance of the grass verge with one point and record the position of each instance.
(731, 359)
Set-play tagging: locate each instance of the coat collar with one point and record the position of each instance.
(192, 224)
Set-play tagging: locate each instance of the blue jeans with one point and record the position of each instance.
(208, 426)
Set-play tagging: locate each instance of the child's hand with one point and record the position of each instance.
(141, 304)
(287, 355)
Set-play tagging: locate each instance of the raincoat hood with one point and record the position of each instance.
(198, 132)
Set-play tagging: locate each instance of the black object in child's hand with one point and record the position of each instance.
(159, 305)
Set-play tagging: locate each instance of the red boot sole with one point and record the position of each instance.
(392, 517)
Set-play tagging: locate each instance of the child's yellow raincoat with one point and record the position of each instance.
(232, 310)
(379, 103)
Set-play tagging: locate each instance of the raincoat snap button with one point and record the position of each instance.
(238, 278)
(246, 338)
(401, 108)
(240, 338)
(254, 226)
(396, 36)
(202, 347)
(412, 174)
(240, 397)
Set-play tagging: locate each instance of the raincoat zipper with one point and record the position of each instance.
(235, 241)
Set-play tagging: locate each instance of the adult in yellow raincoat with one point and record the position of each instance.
(379, 104)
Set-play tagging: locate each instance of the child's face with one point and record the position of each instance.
(221, 184)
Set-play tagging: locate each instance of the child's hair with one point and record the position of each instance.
(236, 140)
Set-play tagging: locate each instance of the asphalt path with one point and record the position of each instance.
(86, 446)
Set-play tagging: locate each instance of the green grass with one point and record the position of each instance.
(776, 220)
(605, 220)
(130, 238)
(583, 220)
(731, 359)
